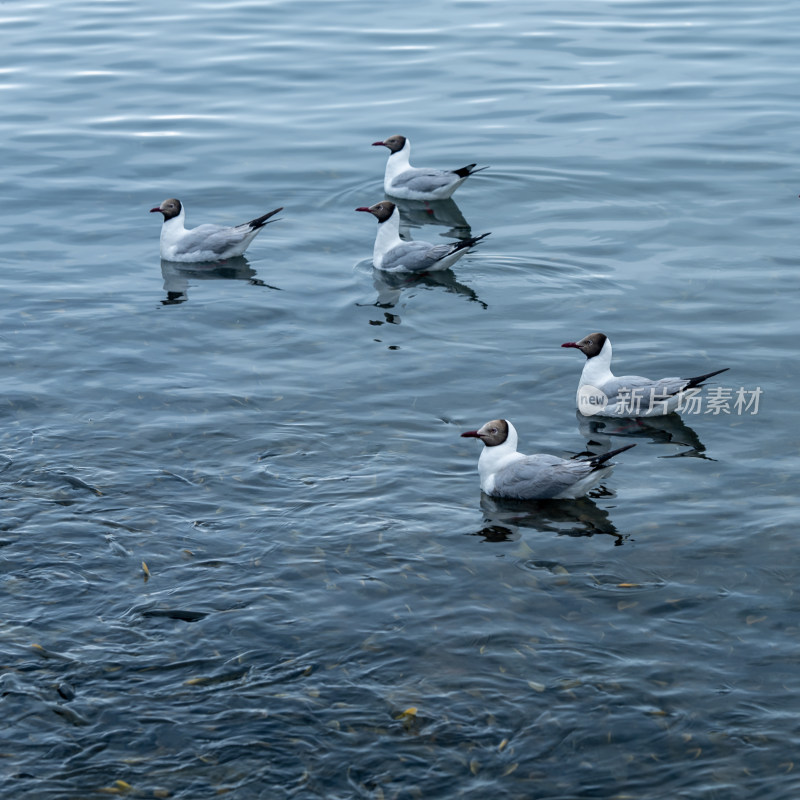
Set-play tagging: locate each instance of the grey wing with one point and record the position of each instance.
(415, 256)
(424, 180)
(212, 238)
(539, 477)
(225, 238)
(627, 386)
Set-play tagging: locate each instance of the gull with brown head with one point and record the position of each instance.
(393, 254)
(507, 473)
(205, 242)
(416, 183)
(602, 393)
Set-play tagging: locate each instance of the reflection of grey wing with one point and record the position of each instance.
(577, 517)
(417, 213)
(665, 428)
(415, 256)
(423, 180)
(539, 477)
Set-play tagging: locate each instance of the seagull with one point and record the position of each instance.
(205, 242)
(601, 392)
(393, 254)
(410, 183)
(506, 473)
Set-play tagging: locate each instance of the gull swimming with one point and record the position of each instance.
(393, 254)
(205, 242)
(414, 183)
(602, 393)
(507, 473)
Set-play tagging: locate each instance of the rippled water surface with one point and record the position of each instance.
(244, 550)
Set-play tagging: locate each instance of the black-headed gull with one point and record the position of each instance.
(506, 473)
(205, 242)
(602, 393)
(413, 183)
(393, 254)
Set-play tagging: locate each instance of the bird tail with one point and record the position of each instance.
(259, 222)
(598, 461)
(469, 242)
(473, 240)
(465, 172)
(700, 378)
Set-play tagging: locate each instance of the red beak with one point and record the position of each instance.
(154, 209)
(375, 144)
(471, 435)
(360, 208)
(571, 344)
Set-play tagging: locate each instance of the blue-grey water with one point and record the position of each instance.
(244, 551)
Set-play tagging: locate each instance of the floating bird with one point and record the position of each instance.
(412, 183)
(205, 242)
(393, 254)
(600, 392)
(506, 473)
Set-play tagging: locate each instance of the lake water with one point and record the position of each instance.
(244, 550)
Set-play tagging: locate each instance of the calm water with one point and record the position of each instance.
(329, 608)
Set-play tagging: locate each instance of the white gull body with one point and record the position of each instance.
(393, 254)
(602, 393)
(505, 472)
(414, 183)
(205, 242)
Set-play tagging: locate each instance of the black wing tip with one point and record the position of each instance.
(470, 169)
(472, 240)
(259, 222)
(700, 378)
(598, 461)
(466, 244)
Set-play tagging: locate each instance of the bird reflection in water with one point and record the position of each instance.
(503, 518)
(416, 214)
(177, 276)
(445, 213)
(667, 429)
(390, 287)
